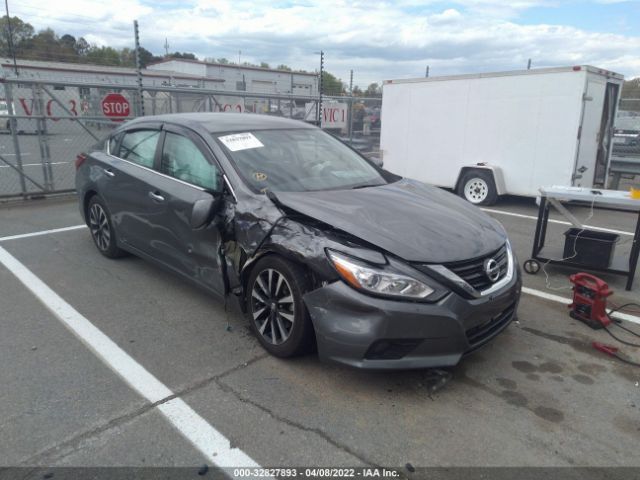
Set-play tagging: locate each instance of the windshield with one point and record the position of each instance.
(297, 160)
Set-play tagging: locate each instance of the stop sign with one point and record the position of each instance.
(115, 106)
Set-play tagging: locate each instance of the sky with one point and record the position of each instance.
(378, 40)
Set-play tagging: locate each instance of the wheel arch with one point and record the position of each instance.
(494, 170)
(89, 194)
(272, 251)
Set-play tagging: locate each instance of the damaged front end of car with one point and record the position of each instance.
(369, 308)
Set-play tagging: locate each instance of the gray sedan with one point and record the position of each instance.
(323, 248)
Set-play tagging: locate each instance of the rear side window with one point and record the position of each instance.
(182, 159)
(139, 147)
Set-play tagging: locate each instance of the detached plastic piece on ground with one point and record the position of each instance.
(590, 300)
(608, 349)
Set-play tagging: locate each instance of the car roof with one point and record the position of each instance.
(217, 122)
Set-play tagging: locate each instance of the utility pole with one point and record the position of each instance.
(239, 53)
(166, 47)
(10, 39)
(351, 106)
(426, 73)
(138, 69)
(529, 65)
(321, 88)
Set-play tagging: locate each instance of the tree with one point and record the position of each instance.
(331, 85)
(146, 57)
(21, 33)
(264, 65)
(45, 45)
(284, 67)
(357, 91)
(373, 90)
(103, 56)
(82, 47)
(188, 56)
(631, 88)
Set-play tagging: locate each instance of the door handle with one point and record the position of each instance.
(156, 196)
(109, 172)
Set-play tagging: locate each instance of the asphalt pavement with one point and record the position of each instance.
(539, 395)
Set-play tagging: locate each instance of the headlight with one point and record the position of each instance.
(378, 281)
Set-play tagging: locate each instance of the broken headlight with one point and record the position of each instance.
(378, 279)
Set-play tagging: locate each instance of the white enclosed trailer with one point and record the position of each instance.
(491, 134)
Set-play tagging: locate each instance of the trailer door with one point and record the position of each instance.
(589, 133)
(606, 134)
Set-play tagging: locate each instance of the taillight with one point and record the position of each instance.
(80, 159)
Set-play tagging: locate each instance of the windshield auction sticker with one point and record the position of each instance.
(240, 141)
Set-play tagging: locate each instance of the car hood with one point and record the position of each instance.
(409, 219)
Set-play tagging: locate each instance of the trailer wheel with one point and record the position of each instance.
(531, 266)
(478, 187)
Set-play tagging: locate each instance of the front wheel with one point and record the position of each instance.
(478, 187)
(277, 313)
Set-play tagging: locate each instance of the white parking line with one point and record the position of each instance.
(42, 232)
(551, 220)
(215, 447)
(567, 301)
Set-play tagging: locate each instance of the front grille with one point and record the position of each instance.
(472, 271)
(480, 334)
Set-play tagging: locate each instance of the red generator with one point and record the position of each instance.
(590, 300)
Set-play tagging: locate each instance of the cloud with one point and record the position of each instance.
(378, 40)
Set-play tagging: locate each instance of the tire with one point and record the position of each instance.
(101, 228)
(478, 187)
(276, 311)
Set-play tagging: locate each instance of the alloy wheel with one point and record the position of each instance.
(272, 306)
(99, 225)
(476, 190)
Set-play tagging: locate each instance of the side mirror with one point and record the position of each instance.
(203, 210)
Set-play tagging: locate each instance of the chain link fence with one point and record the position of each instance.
(45, 125)
(627, 128)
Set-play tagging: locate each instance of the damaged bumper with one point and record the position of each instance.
(381, 334)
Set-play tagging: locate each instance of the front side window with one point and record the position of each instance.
(182, 159)
(297, 160)
(113, 143)
(139, 147)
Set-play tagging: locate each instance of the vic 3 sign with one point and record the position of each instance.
(115, 106)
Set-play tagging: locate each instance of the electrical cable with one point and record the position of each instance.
(575, 252)
(618, 323)
(624, 342)
(621, 307)
(624, 360)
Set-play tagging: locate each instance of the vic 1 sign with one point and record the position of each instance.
(115, 106)
(334, 115)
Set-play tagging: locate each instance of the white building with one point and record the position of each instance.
(243, 78)
(171, 72)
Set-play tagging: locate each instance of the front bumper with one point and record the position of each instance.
(380, 334)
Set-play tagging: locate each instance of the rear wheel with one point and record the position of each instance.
(277, 313)
(478, 187)
(101, 228)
